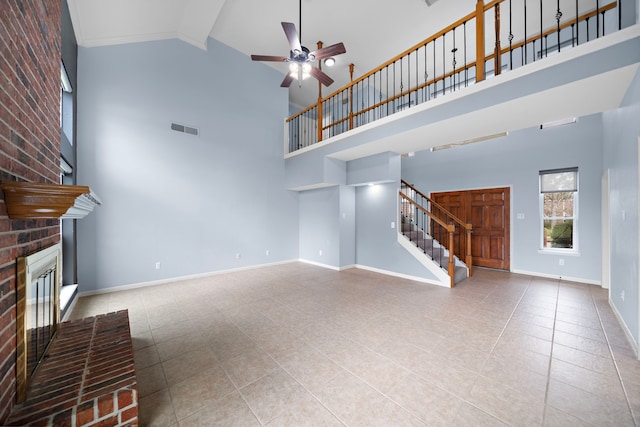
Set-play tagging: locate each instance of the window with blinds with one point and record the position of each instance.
(558, 202)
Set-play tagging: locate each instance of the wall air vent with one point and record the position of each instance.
(184, 129)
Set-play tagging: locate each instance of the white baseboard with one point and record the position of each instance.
(178, 278)
(554, 276)
(319, 264)
(442, 277)
(70, 303)
(627, 332)
(402, 276)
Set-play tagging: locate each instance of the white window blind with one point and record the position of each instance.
(559, 180)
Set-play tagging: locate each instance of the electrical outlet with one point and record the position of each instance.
(267, 252)
(561, 261)
(237, 256)
(393, 224)
(320, 252)
(158, 265)
(622, 296)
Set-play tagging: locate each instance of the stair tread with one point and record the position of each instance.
(432, 248)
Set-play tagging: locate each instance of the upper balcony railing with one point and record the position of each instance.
(495, 38)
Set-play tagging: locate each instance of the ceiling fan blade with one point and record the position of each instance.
(287, 80)
(322, 77)
(325, 52)
(292, 36)
(268, 58)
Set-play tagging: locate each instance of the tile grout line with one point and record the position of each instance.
(553, 334)
(526, 291)
(493, 348)
(615, 363)
(164, 375)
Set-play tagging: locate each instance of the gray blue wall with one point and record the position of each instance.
(514, 161)
(190, 203)
(320, 234)
(351, 223)
(194, 203)
(620, 159)
(377, 242)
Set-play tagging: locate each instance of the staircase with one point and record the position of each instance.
(439, 235)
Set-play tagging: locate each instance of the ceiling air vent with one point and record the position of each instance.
(184, 129)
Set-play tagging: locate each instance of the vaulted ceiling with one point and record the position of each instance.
(372, 32)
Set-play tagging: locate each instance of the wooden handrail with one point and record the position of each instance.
(407, 52)
(479, 63)
(449, 227)
(301, 112)
(451, 267)
(553, 30)
(436, 204)
(480, 49)
(467, 227)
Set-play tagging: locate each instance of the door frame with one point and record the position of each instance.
(605, 281)
(511, 212)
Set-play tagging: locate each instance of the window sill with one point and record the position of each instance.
(564, 252)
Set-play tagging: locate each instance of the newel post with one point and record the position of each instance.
(351, 67)
(319, 120)
(469, 257)
(480, 51)
(497, 69)
(451, 268)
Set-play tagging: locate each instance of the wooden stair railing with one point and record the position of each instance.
(438, 211)
(428, 81)
(450, 231)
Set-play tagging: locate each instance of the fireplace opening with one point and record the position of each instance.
(38, 311)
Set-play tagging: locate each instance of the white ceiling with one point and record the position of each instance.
(372, 32)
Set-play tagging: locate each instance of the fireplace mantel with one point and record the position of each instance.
(28, 200)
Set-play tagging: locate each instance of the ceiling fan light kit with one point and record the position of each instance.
(301, 59)
(296, 68)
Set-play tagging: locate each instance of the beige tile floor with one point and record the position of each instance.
(298, 345)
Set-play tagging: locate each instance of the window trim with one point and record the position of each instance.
(565, 251)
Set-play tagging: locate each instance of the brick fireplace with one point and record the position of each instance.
(78, 373)
(87, 379)
(30, 57)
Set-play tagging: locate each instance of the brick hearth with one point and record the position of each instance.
(87, 379)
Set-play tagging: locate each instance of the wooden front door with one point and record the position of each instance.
(488, 211)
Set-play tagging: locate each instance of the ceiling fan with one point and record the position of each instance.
(300, 58)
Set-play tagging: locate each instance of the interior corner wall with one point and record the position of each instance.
(327, 226)
(176, 204)
(377, 244)
(515, 161)
(347, 221)
(620, 157)
(30, 54)
(630, 13)
(319, 213)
